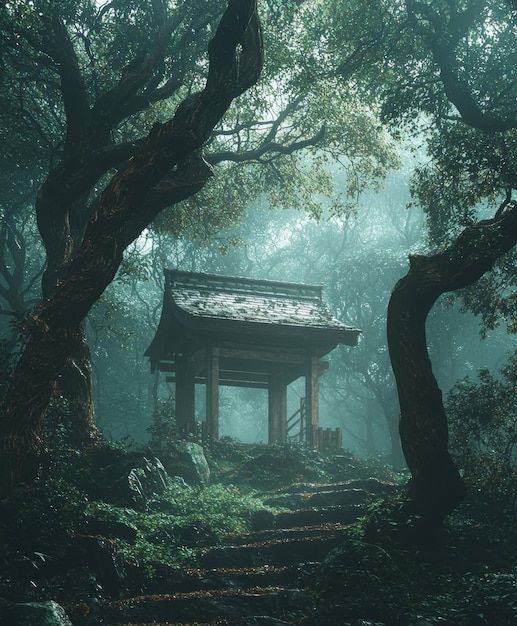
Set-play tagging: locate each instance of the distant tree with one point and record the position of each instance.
(21, 252)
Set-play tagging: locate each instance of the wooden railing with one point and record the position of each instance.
(328, 438)
(323, 438)
(298, 420)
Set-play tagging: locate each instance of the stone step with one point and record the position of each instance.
(277, 552)
(301, 495)
(374, 486)
(190, 579)
(285, 533)
(312, 516)
(253, 579)
(303, 500)
(319, 515)
(253, 620)
(228, 606)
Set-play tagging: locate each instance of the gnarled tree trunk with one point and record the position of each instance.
(167, 169)
(435, 487)
(62, 232)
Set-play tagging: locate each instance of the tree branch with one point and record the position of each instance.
(73, 90)
(460, 95)
(442, 37)
(109, 108)
(265, 148)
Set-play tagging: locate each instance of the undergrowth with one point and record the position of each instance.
(180, 520)
(468, 577)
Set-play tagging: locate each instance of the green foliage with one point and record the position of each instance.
(38, 518)
(462, 579)
(483, 437)
(401, 54)
(276, 466)
(179, 521)
(58, 433)
(260, 149)
(5, 365)
(163, 430)
(494, 296)
(256, 147)
(470, 172)
(36, 524)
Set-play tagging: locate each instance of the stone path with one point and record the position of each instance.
(261, 578)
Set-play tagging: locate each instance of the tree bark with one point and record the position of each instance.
(75, 383)
(63, 236)
(167, 169)
(435, 487)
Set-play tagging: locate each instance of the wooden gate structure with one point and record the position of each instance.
(223, 330)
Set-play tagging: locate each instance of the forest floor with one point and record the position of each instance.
(278, 537)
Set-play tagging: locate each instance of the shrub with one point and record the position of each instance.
(483, 435)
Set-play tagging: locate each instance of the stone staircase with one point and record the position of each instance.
(261, 578)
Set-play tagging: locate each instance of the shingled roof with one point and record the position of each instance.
(196, 304)
(247, 300)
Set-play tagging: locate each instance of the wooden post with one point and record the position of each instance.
(185, 397)
(277, 414)
(311, 397)
(339, 437)
(212, 392)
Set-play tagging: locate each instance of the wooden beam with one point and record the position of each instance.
(212, 392)
(167, 366)
(223, 382)
(246, 376)
(185, 397)
(312, 372)
(266, 355)
(277, 414)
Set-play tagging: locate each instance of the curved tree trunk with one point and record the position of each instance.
(436, 486)
(397, 457)
(62, 233)
(167, 169)
(22, 454)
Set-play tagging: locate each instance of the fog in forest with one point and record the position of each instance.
(357, 254)
(357, 258)
(319, 182)
(148, 470)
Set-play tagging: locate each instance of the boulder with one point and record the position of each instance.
(36, 614)
(103, 557)
(124, 478)
(187, 460)
(146, 479)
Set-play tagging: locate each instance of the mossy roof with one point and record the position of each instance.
(201, 309)
(250, 300)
